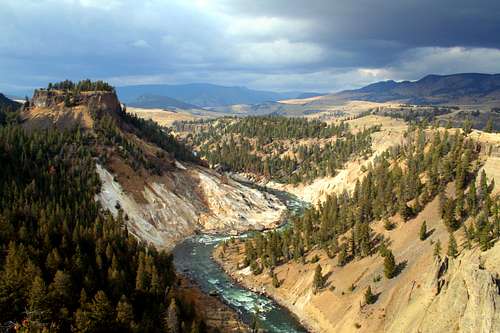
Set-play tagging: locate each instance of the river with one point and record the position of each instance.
(193, 258)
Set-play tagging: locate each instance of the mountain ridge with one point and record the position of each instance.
(204, 94)
(461, 88)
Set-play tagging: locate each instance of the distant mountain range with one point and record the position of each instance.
(468, 88)
(198, 94)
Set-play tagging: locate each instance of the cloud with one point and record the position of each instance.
(278, 53)
(281, 44)
(425, 60)
(99, 4)
(140, 43)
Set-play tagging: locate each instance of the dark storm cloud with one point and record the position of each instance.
(407, 22)
(310, 45)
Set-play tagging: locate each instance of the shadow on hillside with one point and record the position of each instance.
(325, 278)
(429, 233)
(290, 200)
(400, 267)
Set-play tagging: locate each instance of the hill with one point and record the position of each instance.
(143, 168)
(91, 200)
(468, 88)
(444, 278)
(8, 109)
(201, 94)
(149, 101)
(6, 102)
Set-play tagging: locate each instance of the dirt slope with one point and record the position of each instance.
(429, 295)
(391, 134)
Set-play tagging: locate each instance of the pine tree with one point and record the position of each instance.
(388, 225)
(370, 298)
(389, 265)
(483, 186)
(275, 281)
(468, 237)
(67, 100)
(472, 199)
(255, 268)
(437, 249)
(452, 246)
(403, 208)
(318, 281)
(101, 312)
(423, 231)
(60, 290)
(489, 126)
(484, 237)
(37, 301)
(12, 284)
(155, 281)
(141, 280)
(467, 126)
(342, 256)
(172, 321)
(124, 312)
(82, 321)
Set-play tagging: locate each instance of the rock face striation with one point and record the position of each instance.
(63, 110)
(102, 100)
(190, 199)
(467, 292)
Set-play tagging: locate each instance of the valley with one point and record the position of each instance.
(214, 166)
(355, 185)
(346, 285)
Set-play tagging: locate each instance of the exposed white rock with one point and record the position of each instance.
(169, 215)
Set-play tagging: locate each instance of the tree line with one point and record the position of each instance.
(269, 128)
(261, 145)
(81, 86)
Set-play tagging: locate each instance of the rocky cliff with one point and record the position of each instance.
(102, 100)
(162, 199)
(64, 110)
(188, 200)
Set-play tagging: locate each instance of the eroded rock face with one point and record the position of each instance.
(455, 295)
(65, 110)
(171, 210)
(468, 300)
(44, 98)
(100, 100)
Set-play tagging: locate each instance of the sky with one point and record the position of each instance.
(281, 45)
